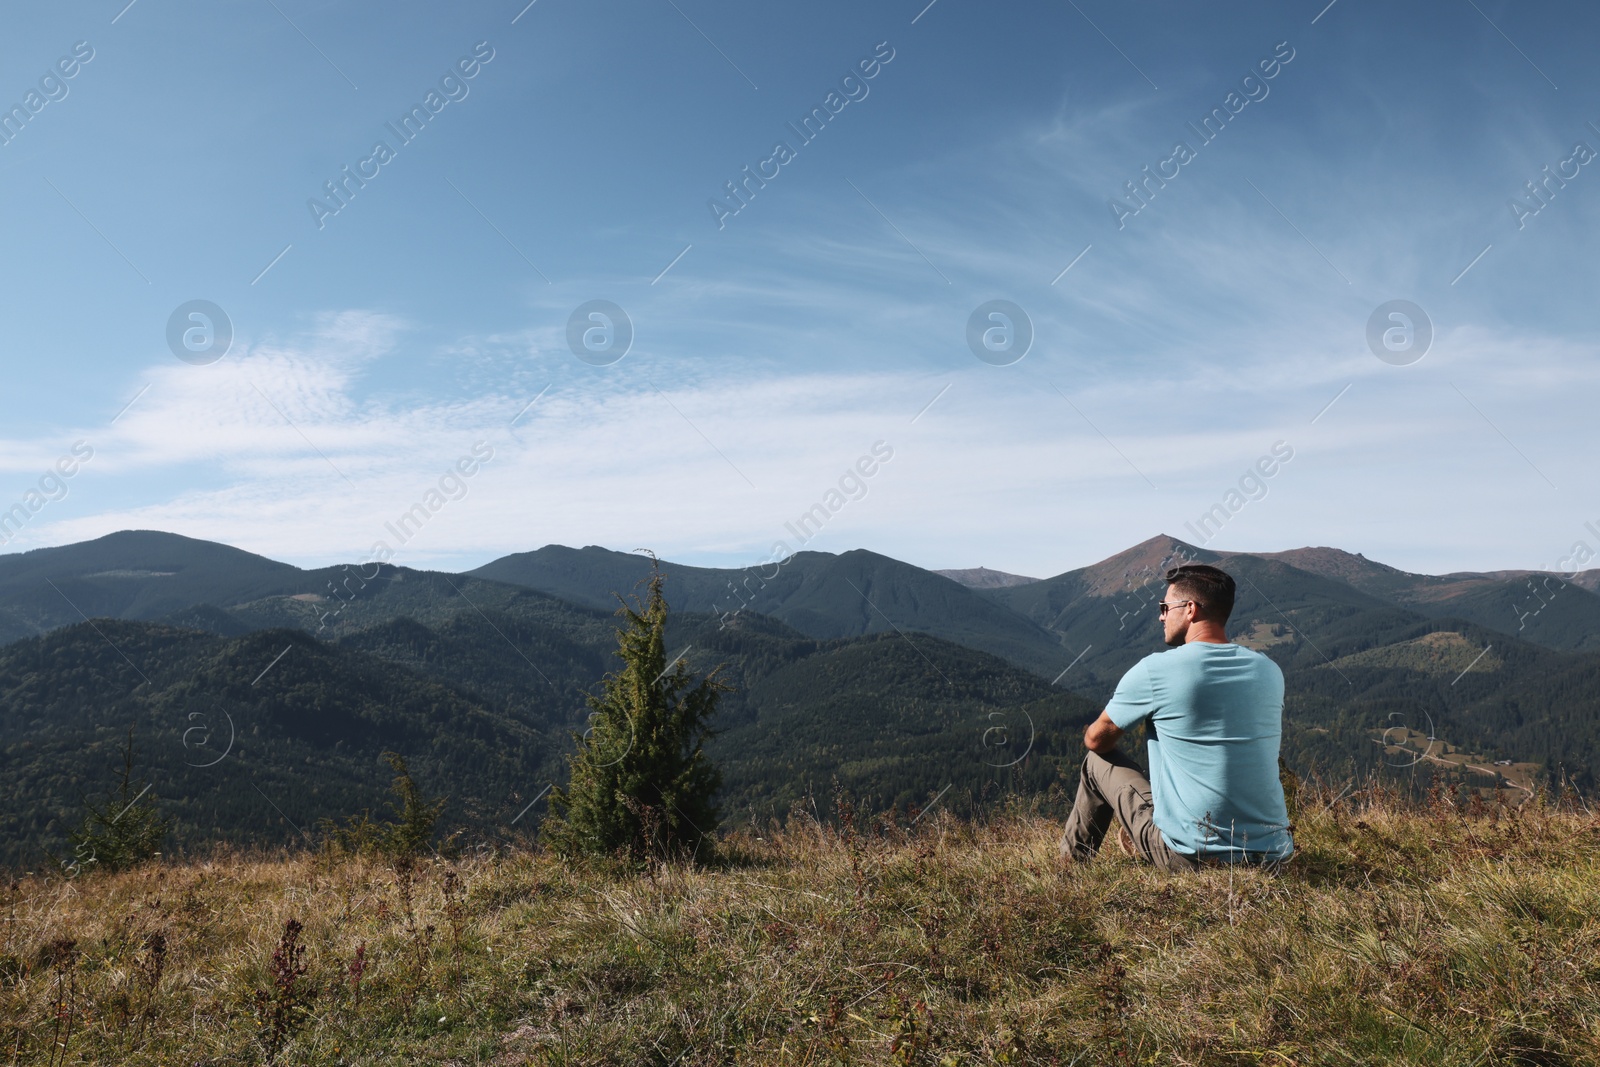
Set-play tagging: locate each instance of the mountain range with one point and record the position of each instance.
(853, 672)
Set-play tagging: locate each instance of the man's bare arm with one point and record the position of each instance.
(1102, 735)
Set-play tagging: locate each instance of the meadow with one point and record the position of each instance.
(1403, 932)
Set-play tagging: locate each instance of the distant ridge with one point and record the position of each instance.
(984, 578)
(820, 594)
(1354, 569)
(1098, 617)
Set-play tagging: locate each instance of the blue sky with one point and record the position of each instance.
(430, 312)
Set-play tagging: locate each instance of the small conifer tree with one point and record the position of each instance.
(124, 832)
(640, 782)
(412, 833)
(402, 839)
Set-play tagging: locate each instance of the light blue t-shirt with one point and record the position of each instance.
(1217, 713)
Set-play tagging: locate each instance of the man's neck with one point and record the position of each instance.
(1205, 633)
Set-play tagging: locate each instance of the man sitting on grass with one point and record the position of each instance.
(1216, 718)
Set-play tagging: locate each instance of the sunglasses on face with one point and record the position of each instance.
(1163, 605)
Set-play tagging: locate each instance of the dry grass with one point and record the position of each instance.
(1397, 935)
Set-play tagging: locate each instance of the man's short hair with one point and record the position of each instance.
(1211, 586)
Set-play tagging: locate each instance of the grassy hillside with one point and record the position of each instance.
(1443, 653)
(1429, 935)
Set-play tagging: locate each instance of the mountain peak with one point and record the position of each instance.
(1146, 561)
(984, 578)
(136, 550)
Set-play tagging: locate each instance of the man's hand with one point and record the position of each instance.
(1102, 735)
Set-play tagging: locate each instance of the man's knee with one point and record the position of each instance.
(1095, 772)
(1100, 764)
(1102, 769)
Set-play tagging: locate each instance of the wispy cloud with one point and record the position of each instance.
(601, 459)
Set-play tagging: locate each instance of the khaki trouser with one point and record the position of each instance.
(1115, 787)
